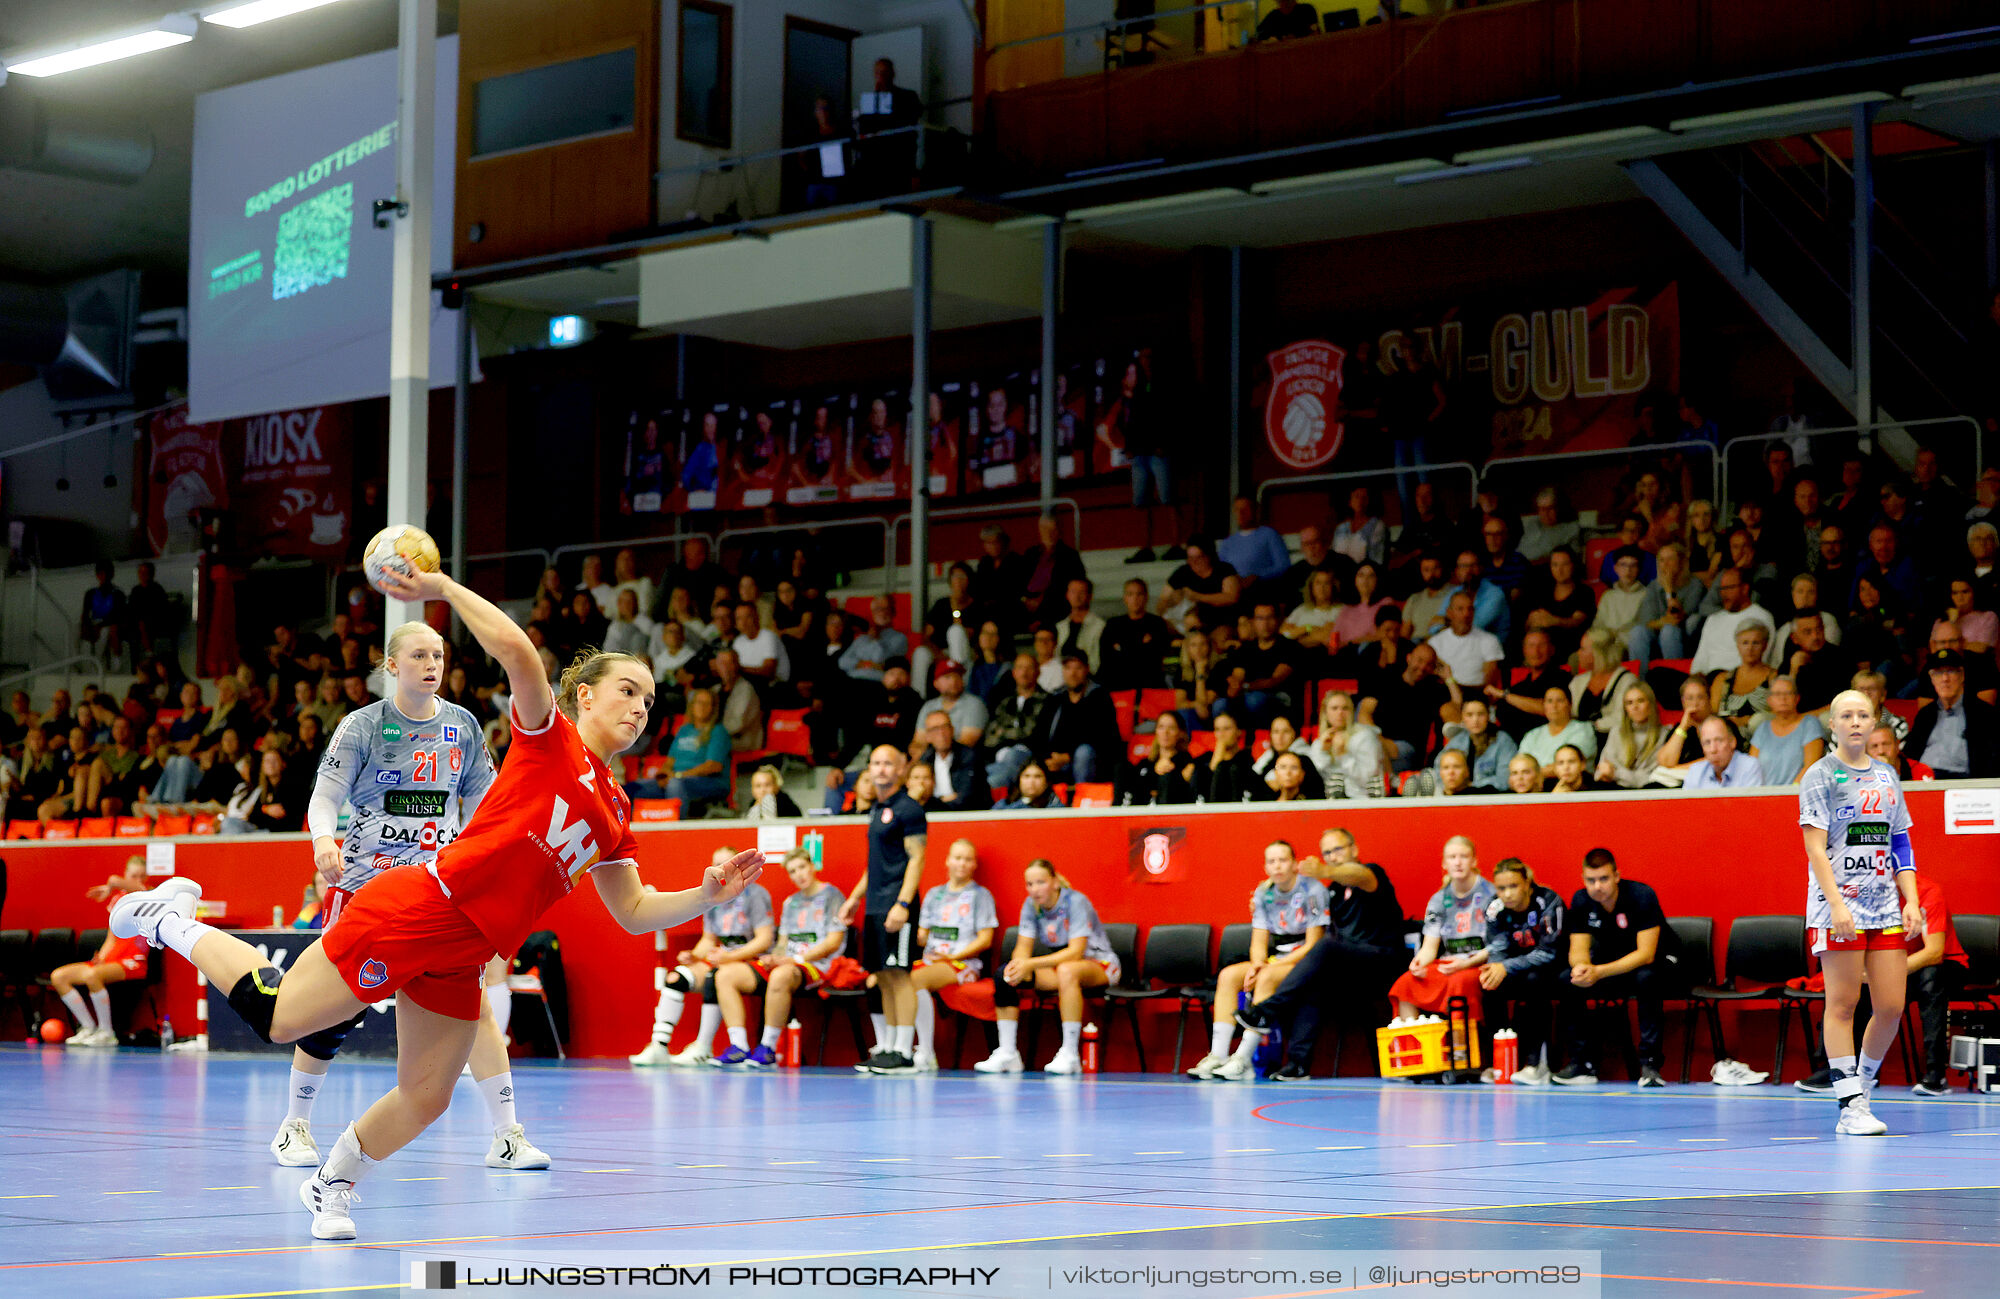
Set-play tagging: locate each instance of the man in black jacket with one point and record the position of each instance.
(1132, 652)
(1955, 735)
(1014, 724)
(1226, 774)
(961, 784)
(1079, 728)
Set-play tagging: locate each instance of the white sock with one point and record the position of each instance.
(501, 998)
(304, 1091)
(770, 1038)
(100, 1001)
(1010, 1031)
(903, 1038)
(739, 1037)
(1218, 1038)
(499, 1093)
(181, 934)
(711, 1019)
(1252, 1039)
(1870, 1067)
(76, 1005)
(880, 1023)
(1840, 1064)
(345, 1162)
(667, 1015)
(926, 1020)
(1072, 1033)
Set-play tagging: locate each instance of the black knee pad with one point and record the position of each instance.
(325, 1044)
(874, 999)
(1005, 993)
(676, 982)
(255, 999)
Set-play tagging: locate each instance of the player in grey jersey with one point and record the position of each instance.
(413, 768)
(1860, 904)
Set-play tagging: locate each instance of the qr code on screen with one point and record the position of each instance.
(313, 240)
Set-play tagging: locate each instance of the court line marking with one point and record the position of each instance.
(1085, 1156)
(1520, 1143)
(598, 1170)
(420, 1179)
(232, 1188)
(959, 1208)
(27, 1197)
(1252, 1150)
(1728, 1231)
(1136, 1152)
(780, 1163)
(1794, 1138)
(1621, 1141)
(1163, 1152)
(1687, 1141)
(155, 1191)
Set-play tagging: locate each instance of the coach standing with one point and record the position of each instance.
(896, 832)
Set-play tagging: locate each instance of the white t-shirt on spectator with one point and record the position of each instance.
(1467, 655)
(606, 596)
(753, 652)
(1049, 677)
(633, 637)
(1718, 638)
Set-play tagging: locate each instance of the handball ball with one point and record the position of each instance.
(54, 1031)
(401, 549)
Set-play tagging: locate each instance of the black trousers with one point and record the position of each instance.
(1331, 974)
(1525, 1003)
(1648, 986)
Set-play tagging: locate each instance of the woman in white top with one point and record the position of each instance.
(1600, 679)
(1632, 748)
(1360, 536)
(1312, 622)
(1348, 750)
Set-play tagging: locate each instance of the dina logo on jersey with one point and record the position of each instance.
(388, 777)
(391, 732)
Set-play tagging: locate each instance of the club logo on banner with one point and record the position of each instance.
(1302, 414)
(1155, 855)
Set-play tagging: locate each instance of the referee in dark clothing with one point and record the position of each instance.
(896, 832)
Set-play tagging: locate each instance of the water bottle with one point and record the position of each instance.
(1090, 1048)
(166, 1032)
(277, 916)
(1506, 1055)
(1461, 1055)
(788, 1045)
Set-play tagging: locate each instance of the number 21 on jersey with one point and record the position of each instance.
(425, 764)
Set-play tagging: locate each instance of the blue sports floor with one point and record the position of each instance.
(126, 1175)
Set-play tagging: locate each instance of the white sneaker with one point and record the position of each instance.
(138, 915)
(294, 1147)
(1488, 1075)
(1066, 1061)
(1533, 1075)
(926, 1060)
(1857, 1120)
(1205, 1067)
(95, 1037)
(693, 1058)
(512, 1149)
(654, 1054)
(1237, 1068)
(1734, 1073)
(332, 1207)
(1001, 1061)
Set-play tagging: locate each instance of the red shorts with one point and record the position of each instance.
(811, 974)
(1433, 991)
(967, 970)
(1864, 940)
(131, 953)
(333, 904)
(401, 934)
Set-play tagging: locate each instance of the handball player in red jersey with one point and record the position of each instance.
(424, 934)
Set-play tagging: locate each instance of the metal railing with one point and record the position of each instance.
(1970, 424)
(1151, 41)
(1275, 485)
(1626, 453)
(727, 535)
(766, 168)
(1005, 508)
(63, 666)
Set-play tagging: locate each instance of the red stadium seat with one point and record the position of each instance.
(1125, 704)
(24, 829)
(59, 830)
(858, 606)
(205, 823)
(1670, 717)
(656, 809)
(1200, 742)
(785, 733)
(1347, 685)
(1094, 794)
(172, 825)
(1259, 741)
(1138, 747)
(167, 716)
(1152, 703)
(1674, 665)
(1594, 552)
(94, 827)
(132, 827)
(1903, 708)
(1631, 665)
(1918, 771)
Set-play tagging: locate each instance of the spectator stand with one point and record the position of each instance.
(1624, 457)
(1951, 436)
(730, 536)
(1373, 477)
(1029, 510)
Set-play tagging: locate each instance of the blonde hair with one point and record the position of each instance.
(589, 667)
(1054, 874)
(800, 854)
(401, 636)
(1636, 745)
(768, 770)
(1469, 845)
(1870, 703)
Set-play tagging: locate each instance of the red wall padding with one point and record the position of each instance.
(1720, 855)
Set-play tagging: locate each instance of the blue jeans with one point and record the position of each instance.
(1083, 766)
(177, 780)
(835, 801)
(1005, 769)
(697, 792)
(1406, 452)
(1669, 642)
(1251, 709)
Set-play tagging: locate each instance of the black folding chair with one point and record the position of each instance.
(1767, 951)
(17, 975)
(850, 1000)
(1697, 937)
(1177, 960)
